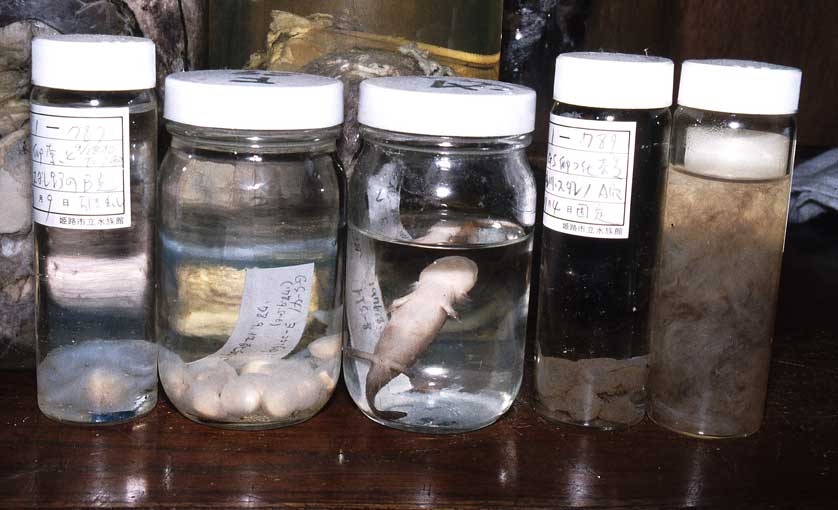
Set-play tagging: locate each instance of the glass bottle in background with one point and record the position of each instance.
(462, 34)
(441, 212)
(94, 134)
(251, 230)
(607, 154)
(721, 248)
(535, 32)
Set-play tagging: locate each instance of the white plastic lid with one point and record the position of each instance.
(93, 62)
(254, 100)
(613, 80)
(739, 86)
(446, 106)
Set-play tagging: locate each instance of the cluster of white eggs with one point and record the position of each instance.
(253, 388)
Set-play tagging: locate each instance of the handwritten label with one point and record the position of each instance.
(365, 304)
(590, 164)
(257, 77)
(81, 168)
(384, 198)
(273, 312)
(469, 85)
(365, 311)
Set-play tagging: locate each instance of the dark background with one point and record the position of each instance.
(799, 33)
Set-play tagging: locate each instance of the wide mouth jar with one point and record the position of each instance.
(423, 181)
(441, 212)
(250, 230)
(258, 110)
(438, 148)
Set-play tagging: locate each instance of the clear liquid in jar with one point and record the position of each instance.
(469, 373)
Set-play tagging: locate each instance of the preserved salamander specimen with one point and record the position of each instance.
(415, 321)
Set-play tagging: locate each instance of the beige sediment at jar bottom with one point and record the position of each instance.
(604, 393)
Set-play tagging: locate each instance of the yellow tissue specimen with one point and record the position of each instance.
(209, 299)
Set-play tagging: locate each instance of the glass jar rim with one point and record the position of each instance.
(413, 141)
(756, 116)
(264, 133)
(255, 140)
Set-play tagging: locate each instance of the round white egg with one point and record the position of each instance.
(326, 347)
(173, 375)
(240, 397)
(277, 402)
(205, 400)
(308, 392)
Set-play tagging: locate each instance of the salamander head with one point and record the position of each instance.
(457, 275)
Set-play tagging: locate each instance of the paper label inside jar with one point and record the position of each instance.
(366, 314)
(384, 198)
(273, 312)
(81, 167)
(590, 164)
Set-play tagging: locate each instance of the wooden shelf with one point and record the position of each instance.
(340, 459)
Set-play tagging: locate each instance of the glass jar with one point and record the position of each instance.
(607, 155)
(441, 213)
(721, 249)
(301, 35)
(251, 228)
(93, 147)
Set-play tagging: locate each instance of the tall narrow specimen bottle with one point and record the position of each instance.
(607, 152)
(721, 249)
(94, 136)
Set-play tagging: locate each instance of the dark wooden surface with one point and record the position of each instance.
(339, 459)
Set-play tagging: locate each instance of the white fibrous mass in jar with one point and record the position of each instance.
(716, 287)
